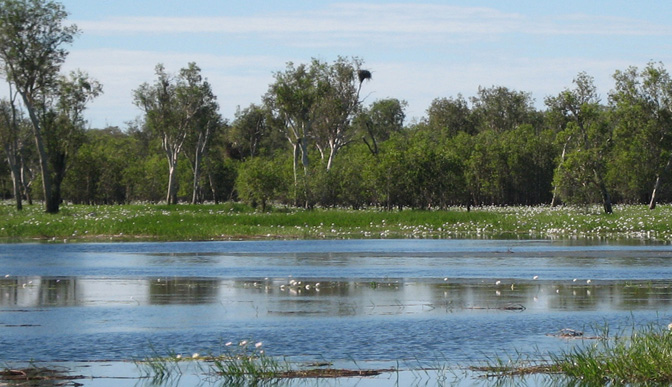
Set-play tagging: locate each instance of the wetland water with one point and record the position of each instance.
(411, 303)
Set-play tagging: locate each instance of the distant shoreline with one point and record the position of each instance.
(232, 221)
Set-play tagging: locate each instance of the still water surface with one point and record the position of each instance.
(417, 302)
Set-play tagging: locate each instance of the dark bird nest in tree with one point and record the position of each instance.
(363, 74)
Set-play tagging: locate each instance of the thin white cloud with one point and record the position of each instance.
(422, 21)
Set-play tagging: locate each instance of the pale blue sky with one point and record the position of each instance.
(417, 51)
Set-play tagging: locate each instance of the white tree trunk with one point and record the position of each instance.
(656, 187)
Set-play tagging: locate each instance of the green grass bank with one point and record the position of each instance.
(231, 221)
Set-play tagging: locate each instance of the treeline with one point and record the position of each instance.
(313, 141)
(495, 148)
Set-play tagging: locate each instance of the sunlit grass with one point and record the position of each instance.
(236, 221)
(640, 356)
(643, 356)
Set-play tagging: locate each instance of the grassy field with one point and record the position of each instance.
(234, 221)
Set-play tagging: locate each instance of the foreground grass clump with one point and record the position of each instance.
(240, 363)
(236, 221)
(245, 363)
(642, 357)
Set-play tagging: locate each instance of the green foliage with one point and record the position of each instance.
(586, 142)
(32, 36)
(450, 116)
(149, 178)
(379, 121)
(221, 173)
(354, 177)
(32, 39)
(253, 132)
(258, 182)
(642, 111)
(180, 109)
(99, 172)
(500, 109)
(530, 159)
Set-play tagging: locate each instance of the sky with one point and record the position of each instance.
(416, 51)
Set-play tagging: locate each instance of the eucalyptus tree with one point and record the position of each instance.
(586, 141)
(341, 83)
(64, 123)
(643, 109)
(32, 38)
(317, 103)
(177, 107)
(293, 97)
(196, 92)
(159, 102)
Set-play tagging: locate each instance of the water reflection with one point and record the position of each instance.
(182, 291)
(37, 291)
(290, 296)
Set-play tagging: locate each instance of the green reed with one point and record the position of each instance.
(160, 368)
(644, 356)
(246, 362)
(241, 363)
(639, 356)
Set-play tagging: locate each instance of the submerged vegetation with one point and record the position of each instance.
(235, 221)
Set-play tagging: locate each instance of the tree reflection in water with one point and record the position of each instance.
(338, 298)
